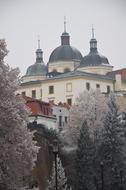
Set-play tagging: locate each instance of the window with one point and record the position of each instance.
(87, 85)
(69, 87)
(65, 119)
(51, 89)
(54, 70)
(108, 89)
(60, 121)
(23, 93)
(97, 85)
(40, 92)
(33, 93)
(66, 70)
(69, 101)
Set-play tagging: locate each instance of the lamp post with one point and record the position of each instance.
(95, 183)
(102, 175)
(55, 152)
(121, 180)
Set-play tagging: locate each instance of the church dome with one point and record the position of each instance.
(39, 68)
(94, 58)
(65, 53)
(36, 70)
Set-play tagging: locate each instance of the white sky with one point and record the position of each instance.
(21, 21)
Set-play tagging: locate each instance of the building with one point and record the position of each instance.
(68, 73)
(48, 114)
(61, 112)
(41, 112)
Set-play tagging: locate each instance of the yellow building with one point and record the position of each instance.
(67, 74)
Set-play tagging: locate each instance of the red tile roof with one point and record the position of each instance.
(38, 107)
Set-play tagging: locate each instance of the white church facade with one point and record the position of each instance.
(68, 73)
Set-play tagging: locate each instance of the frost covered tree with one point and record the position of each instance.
(18, 151)
(111, 151)
(84, 160)
(61, 178)
(90, 106)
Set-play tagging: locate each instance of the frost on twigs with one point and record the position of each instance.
(18, 151)
(61, 178)
(90, 106)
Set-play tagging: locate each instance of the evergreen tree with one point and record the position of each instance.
(61, 178)
(84, 160)
(111, 150)
(90, 106)
(18, 151)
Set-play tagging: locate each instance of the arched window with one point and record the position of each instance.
(66, 70)
(54, 70)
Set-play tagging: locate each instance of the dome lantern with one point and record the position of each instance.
(65, 38)
(39, 54)
(94, 58)
(93, 42)
(38, 68)
(65, 52)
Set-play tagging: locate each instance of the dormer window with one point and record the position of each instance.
(66, 70)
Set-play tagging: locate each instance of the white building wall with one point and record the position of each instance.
(59, 66)
(123, 86)
(103, 69)
(78, 86)
(32, 78)
(59, 89)
(120, 86)
(28, 90)
(50, 123)
(61, 94)
(62, 112)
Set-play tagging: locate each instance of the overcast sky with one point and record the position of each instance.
(21, 21)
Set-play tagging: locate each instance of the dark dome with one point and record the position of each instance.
(37, 69)
(65, 53)
(93, 59)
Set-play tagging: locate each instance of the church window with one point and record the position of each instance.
(54, 70)
(69, 87)
(60, 121)
(65, 119)
(66, 70)
(97, 85)
(33, 93)
(69, 101)
(40, 92)
(23, 93)
(87, 85)
(51, 89)
(108, 89)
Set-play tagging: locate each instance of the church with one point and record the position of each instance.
(68, 73)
